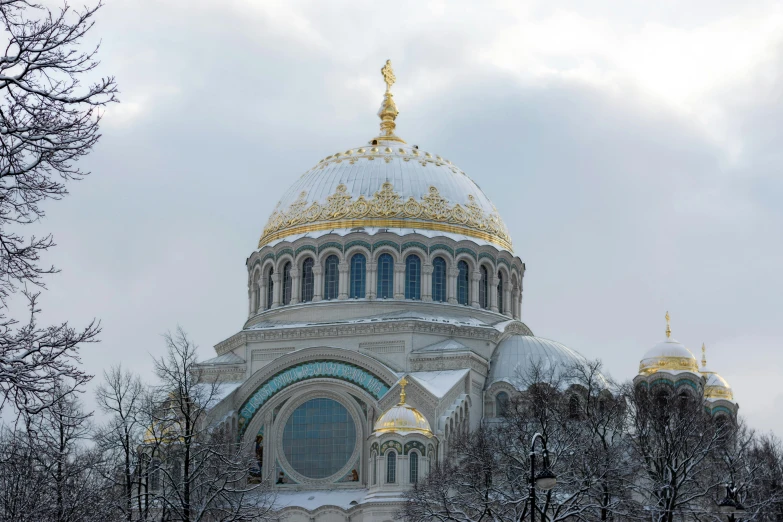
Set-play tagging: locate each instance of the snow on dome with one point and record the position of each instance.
(386, 184)
(516, 355)
(669, 355)
(715, 387)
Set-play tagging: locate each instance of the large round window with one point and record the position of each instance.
(319, 438)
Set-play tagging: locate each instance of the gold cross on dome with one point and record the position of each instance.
(388, 75)
(403, 384)
(668, 328)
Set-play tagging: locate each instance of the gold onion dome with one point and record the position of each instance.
(715, 386)
(386, 184)
(668, 355)
(402, 418)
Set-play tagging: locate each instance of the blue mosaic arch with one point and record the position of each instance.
(339, 370)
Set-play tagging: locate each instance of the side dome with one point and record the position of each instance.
(388, 185)
(517, 355)
(715, 387)
(669, 355)
(402, 418)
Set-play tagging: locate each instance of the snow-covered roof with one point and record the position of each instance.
(439, 383)
(226, 358)
(314, 499)
(401, 315)
(443, 346)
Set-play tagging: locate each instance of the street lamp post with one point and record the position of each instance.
(544, 480)
(731, 505)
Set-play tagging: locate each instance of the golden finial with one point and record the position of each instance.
(403, 384)
(668, 328)
(703, 356)
(388, 111)
(388, 75)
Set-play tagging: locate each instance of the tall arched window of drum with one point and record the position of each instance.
(439, 280)
(358, 275)
(412, 277)
(391, 467)
(500, 292)
(385, 277)
(483, 288)
(463, 283)
(413, 458)
(501, 404)
(308, 280)
(270, 289)
(287, 282)
(331, 277)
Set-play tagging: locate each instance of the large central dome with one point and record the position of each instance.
(386, 184)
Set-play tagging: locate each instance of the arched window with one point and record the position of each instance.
(412, 277)
(573, 407)
(331, 277)
(414, 467)
(374, 468)
(500, 292)
(287, 284)
(501, 404)
(385, 277)
(270, 289)
(463, 283)
(358, 274)
(391, 467)
(308, 281)
(483, 288)
(439, 280)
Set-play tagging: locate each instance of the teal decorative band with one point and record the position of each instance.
(309, 370)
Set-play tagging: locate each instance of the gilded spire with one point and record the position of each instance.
(403, 384)
(388, 111)
(668, 327)
(703, 356)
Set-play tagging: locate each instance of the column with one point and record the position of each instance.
(451, 294)
(277, 290)
(426, 282)
(507, 299)
(318, 282)
(345, 281)
(475, 277)
(295, 285)
(261, 294)
(250, 301)
(372, 279)
(515, 304)
(493, 293)
(399, 280)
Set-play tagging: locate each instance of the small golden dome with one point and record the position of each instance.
(402, 418)
(715, 387)
(668, 355)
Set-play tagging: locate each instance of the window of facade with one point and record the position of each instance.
(287, 284)
(319, 438)
(331, 278)
(385, 277)
(414, 467)
(358, 276)
(155, 475)
(573, 406)
(500, 292)
(412, 277)
(270, 289)
(483, 288)
(463, 283)
(391, 467)
(501, 404)
(374, 468)
(439, 280)
(308, 280)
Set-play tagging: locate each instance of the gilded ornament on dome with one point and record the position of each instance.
(387, 203)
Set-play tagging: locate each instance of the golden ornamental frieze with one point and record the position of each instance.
(387, 205)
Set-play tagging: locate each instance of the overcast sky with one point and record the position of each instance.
(633, 149)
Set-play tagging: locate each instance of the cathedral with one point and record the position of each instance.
(385, 318)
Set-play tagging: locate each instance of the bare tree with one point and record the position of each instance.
(121, 397)
(199, 470)
(48, 120)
